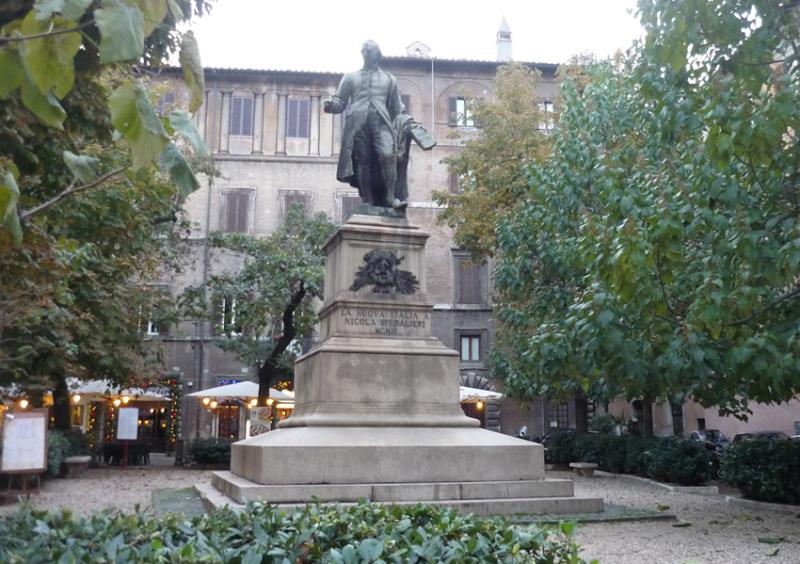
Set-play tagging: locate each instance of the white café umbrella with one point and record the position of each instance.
(475, 394)
(245, 389)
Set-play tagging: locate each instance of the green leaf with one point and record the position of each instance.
(134, 117)
(49, 60)
(45, 107)
(69, 9)
(661, 507)
(9, 196)
(82, 167)
(182, 123)
(175, 10)
(181, 173)
(682, 524)
(370, 549)
(153, 13)
(11, 70)
(192, 70)
(121, 31)
(568, 528)
(771, 540)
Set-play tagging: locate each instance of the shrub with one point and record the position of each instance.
(58, 447)
(677, 461)
(665, 459)
(764, 470)
(604, 424)
(363, 533)
(211, 451)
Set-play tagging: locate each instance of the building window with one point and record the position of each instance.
(349, 204)
(297, 119)
(228, 322)
(470, 281)
(460, 112)
(237, 208)
(470, 348)
(153, 328)
(457, 183)
(241, 116)
(547, 110)
(406, 99)
(166, 103)
(559, 415)
(302, 199)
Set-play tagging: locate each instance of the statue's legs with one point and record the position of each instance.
(374, 145)
(362, 151)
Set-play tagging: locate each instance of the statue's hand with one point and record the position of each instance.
(327, 105)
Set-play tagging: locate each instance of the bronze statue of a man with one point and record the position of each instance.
(377, 133)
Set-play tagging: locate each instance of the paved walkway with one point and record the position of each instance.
(719, 532)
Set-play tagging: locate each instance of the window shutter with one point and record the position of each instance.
(289, 199)
(236, 212)
(247, 116)
(349, 203)
(302, 108)
(469, 283)
(452, 111)
(291, 119)
(236, 116)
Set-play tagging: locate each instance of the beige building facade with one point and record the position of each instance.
(273, 146)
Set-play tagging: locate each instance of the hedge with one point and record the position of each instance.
(664, 459)
(210, 451)
(764, 470)
(260, 533)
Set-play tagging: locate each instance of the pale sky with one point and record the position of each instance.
(327, 36)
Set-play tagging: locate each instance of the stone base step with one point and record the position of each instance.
(241, 489)
(214, 499)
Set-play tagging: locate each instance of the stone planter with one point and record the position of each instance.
(583, 468)
(76, 465)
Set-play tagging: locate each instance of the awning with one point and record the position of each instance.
(244, 389)
(474, 394)
(104, 389)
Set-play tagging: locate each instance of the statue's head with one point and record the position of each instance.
(371, 52)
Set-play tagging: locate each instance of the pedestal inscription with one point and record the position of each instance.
(379, 321)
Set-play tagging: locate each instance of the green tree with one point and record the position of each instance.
(656, 253)
(489, 167)
(260, 309)
(79, 141)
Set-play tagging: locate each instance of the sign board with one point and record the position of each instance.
(128, 424)
(25, 441)
(260, 420)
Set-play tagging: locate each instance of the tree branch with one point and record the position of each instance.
(18, 38)
(793, 294)
(23, 216)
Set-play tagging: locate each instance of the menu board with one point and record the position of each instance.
(24, 441)
(128, 424)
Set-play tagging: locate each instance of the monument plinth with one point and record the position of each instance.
(377, 412)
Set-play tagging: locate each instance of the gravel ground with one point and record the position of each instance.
(719, 533)
(112, 488)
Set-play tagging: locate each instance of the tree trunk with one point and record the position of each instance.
(61, 406)
(647, 415)
(268, 373)
(581, 415)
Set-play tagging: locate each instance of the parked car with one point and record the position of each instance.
(714, 437)
(795, 438)
(766, 435)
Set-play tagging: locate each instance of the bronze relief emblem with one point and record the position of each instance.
(381, 270)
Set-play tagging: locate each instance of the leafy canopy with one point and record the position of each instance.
(656, 252)
(488, 168)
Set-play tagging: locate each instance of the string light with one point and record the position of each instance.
(126, 399)
(117, 402)
(479, 405)
(213, 404)
(23, 403)
(76, 398)
(206, 401)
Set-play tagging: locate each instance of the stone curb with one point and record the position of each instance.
(695, 490)
(753, 504)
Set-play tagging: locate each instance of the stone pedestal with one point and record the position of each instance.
(377, 412)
